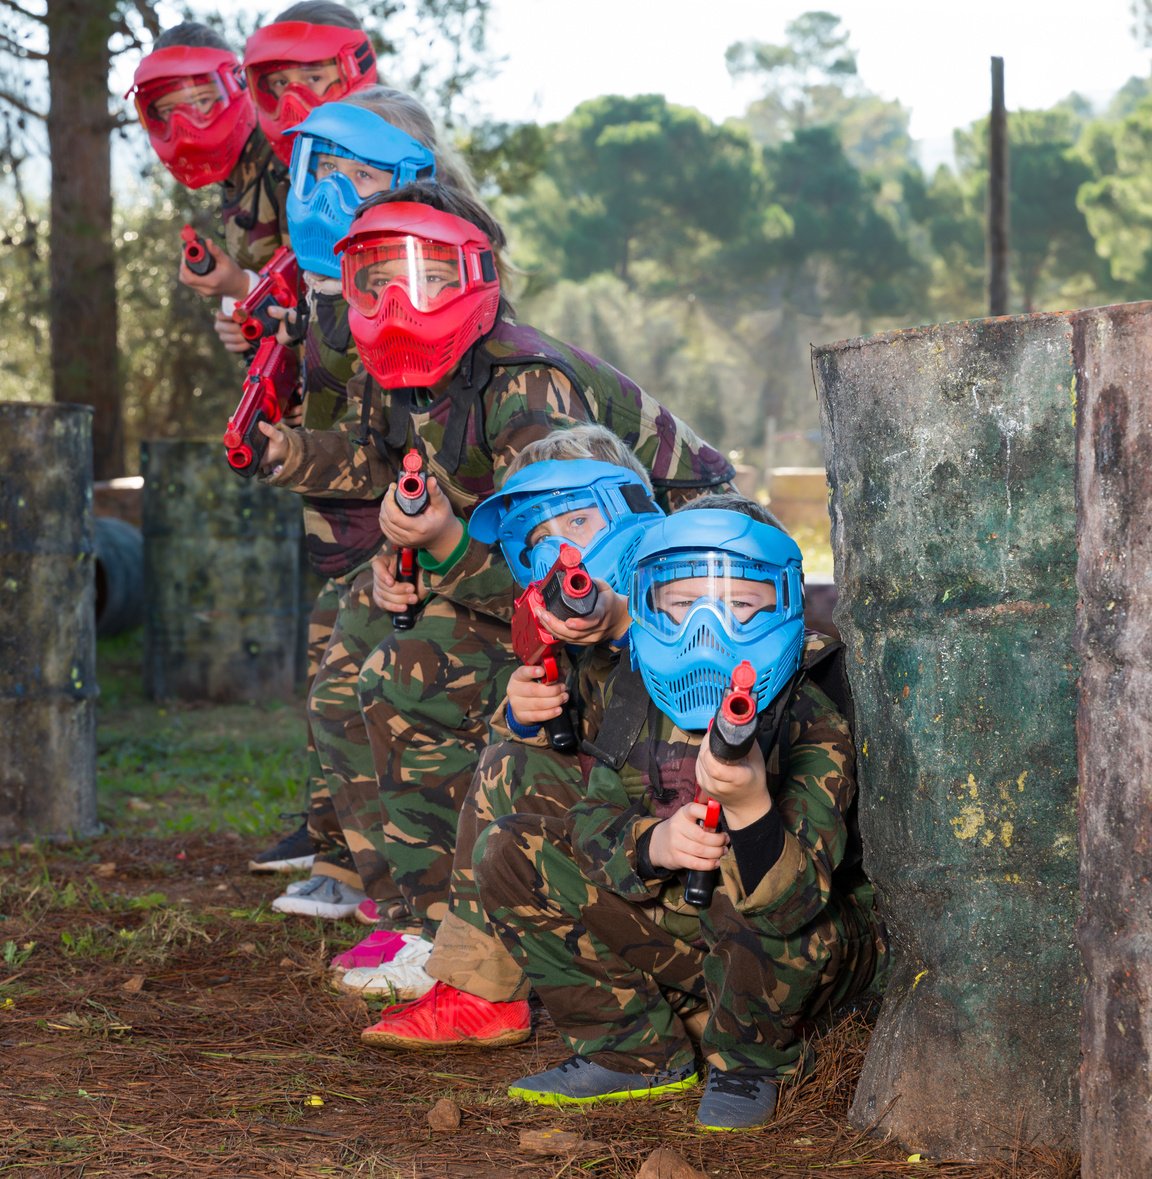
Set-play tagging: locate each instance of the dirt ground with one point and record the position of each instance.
(157, 1020)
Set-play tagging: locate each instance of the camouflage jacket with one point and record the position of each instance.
(339, 534)
(514, 386)
(253, 204)
(813, 792)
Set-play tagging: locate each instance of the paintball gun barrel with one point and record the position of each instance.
(268, 390)
(277, 285)
(730, 738)
(411, 497)
(566, 591)
(197, 257)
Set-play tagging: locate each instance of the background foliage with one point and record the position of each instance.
(701, 258)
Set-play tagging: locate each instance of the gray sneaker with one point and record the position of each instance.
(321, 896)
(580, 1081)
(738, 1100)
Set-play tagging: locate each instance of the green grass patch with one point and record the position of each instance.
(170, 767)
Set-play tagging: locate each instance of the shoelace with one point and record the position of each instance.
(736, 1084)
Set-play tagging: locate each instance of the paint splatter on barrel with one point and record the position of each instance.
(47, 623)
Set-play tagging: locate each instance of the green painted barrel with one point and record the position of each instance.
(47, 623)
(950, 457)
(222, 575)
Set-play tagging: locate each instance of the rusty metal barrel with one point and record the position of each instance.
(222, 575)
(950, 457)
(47, 623)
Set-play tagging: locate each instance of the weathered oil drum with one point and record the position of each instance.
(119, 548)
(1114, 488)
(950, 457)
(47, 623)
(222, 578)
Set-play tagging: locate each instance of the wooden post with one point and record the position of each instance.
(1114, 485)
(47, 623)
(950, 459)
(998, 202)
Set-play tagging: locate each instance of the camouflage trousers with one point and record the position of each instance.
(344, 794)
(427, 695)
(511, 778)
(323, 825)
(620, 985)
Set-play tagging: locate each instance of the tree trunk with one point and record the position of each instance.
(83, 268)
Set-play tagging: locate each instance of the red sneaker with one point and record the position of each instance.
(448, 1018)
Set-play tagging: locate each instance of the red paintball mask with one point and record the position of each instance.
(422, 288)
(295, 66)
(196, 110)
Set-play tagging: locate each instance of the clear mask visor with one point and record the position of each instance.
(748, 598)
(197, 99)
(431, 274)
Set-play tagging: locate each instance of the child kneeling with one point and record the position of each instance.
(592, 905)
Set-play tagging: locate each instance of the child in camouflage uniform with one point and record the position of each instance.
(456, 378)
(592, 905)
(583, 487)
(202, 125)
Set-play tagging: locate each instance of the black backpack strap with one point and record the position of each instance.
(623, 719)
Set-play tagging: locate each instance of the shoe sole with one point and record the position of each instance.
(391, 1040)
(399, 994)
(366, 920)
(281, 865)
(535, 1097)
(325, 912)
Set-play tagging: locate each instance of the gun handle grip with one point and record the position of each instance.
(405, 619)
(700, 885)
(561, 736)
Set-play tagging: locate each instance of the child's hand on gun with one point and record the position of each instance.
(225, 278)
(277, 450)
(741, 787)
(609, 620)
(531, 702)
(680, 842)
(388, 593)
(229, 332)
(435, 530)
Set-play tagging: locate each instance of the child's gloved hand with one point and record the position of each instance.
(740, 787)
(435, 530)
(531, 702)
(609, 620)
(388, 593)
(225, 278)
(287, 317)
(679, 842)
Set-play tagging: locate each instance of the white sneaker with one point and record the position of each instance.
(322, 896)
(402, 978)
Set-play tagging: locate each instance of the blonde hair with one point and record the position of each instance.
(409, 115)
(591, 441)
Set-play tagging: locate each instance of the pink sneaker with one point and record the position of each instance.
(366, 912)
(379, 947)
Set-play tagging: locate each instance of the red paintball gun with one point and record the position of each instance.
(567, 591)
(269, 389)
(278, 285)
(197, 257)
(730, 736)
(411, 497)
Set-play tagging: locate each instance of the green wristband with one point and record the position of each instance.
(439, 568)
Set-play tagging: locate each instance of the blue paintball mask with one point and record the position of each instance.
(711, 588)
(322, 202)
(557, 487)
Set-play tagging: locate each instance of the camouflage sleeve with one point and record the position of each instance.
(812, 800)
(605, 828)
(331, 463)
(522, 406)
(253, 201)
